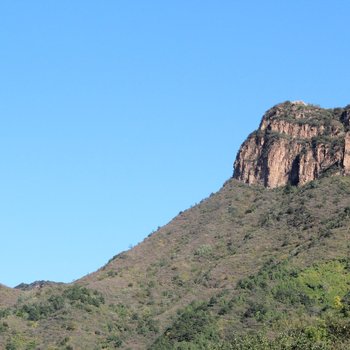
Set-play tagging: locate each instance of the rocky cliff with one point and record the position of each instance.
(296, 143)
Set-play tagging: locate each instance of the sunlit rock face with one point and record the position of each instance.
(296, 143)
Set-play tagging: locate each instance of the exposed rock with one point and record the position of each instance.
(346, 159)
(36, 285)
(296, 143)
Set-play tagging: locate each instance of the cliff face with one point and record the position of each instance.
(295, 143)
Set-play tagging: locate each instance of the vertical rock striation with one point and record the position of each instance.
(295, 143)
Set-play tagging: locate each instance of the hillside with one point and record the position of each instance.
(247, 268)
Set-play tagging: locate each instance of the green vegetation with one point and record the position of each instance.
(275, 298)
(76, 295)
(248, 268)
(312, 115)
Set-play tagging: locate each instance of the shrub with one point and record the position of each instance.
(83, 295)
(204, 251)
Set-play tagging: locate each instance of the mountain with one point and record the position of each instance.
(295, 143)
(257, 265)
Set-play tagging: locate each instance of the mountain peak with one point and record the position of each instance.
(294, 144)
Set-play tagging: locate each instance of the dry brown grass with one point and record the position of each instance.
(203, 251)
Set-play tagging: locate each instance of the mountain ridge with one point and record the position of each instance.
(249, 267)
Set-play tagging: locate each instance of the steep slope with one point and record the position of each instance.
(247, 268)
(8, 296)
(204, 252)
(295, 143)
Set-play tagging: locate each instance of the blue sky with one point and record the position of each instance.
(116, 115)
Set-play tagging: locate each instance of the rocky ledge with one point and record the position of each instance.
(296, 143)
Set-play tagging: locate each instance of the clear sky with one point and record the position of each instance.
(115, 115)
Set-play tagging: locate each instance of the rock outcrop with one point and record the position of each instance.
(37, 285)
(296, 143)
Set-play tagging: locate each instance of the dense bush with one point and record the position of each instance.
(274, 298)
(83, 295)
(74, 295)
(195, 324)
